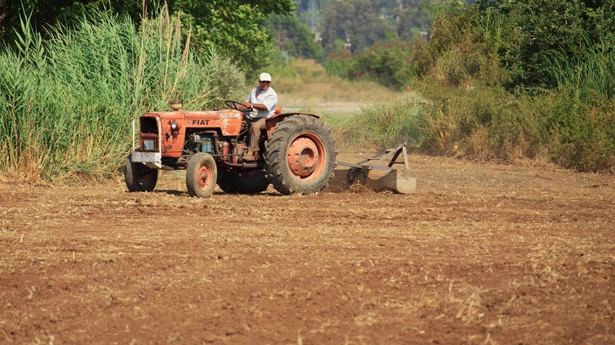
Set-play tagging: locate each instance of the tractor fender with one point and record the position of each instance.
(274, 120)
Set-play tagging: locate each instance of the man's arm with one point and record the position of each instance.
(257, 106)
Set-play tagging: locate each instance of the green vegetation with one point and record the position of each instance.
(292, 37)
(233, 27)
(506, 80)
(69, 102)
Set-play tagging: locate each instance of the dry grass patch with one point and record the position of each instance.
(305, 86)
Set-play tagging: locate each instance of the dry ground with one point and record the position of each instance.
(480, 254)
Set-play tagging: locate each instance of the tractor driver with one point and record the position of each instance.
(263, 99)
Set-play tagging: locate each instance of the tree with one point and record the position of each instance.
(46, 13)
(357, 22)
(533, 35)
(293, 37)
(234, 27)
(411, 19)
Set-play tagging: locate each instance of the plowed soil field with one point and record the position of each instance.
(481, 253)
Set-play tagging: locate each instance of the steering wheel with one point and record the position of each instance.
(236, 105)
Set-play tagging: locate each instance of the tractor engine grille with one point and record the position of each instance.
(149, 134)
(149, 125)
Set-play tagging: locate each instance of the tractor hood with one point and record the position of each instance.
(227, 121)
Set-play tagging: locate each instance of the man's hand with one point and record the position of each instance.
(247, 105)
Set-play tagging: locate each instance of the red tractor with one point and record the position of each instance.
(297, 152)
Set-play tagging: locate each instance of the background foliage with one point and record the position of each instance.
(69, 101)
(506, 80)
(293, 38)
(232, 27)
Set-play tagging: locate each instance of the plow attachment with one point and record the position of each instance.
(374, 174)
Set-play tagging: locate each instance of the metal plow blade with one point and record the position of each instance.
(373, 174)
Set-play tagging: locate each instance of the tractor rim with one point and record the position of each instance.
(306, 156)
(204, 177)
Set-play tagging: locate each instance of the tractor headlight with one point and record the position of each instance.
(174, 125)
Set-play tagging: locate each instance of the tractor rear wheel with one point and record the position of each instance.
(139, 177)
(300, 155)
(230, 181)
(201, 175)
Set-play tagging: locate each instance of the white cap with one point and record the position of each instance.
(264, 77)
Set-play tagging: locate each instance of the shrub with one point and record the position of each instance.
(385, 125)
(582, 126)
(386, 63)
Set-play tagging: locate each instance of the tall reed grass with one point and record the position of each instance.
(591, 68)
(583, 125)
(69, 102)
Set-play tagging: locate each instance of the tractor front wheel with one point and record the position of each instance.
(138, 177)
(201, 175)
(300, 156)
